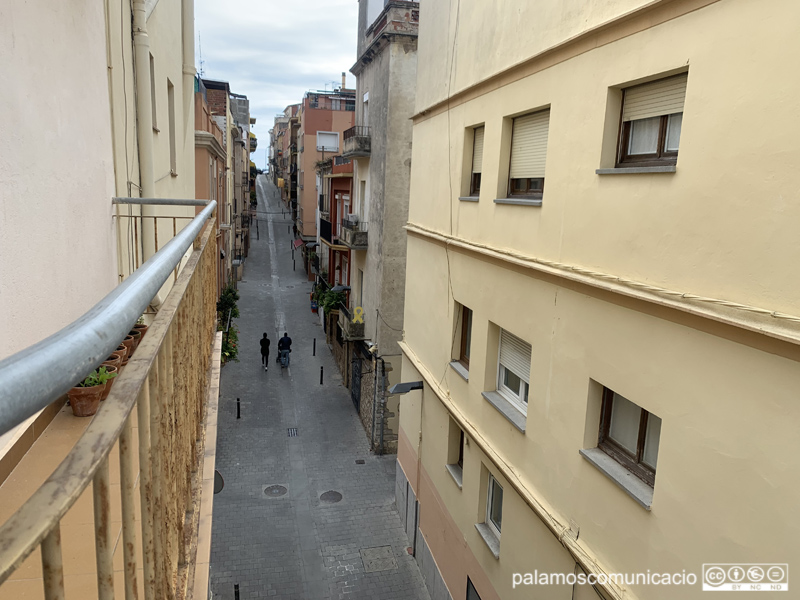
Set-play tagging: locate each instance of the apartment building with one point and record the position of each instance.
(372, 225)
(98, 136)
(231, 113)
(322, 118)
(283, 156)
(211, 157)
(600, 315)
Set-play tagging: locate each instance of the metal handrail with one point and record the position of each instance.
(356, 131)
(33, 378)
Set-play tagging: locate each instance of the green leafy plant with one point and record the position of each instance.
(227, 304)
(329, 300)
(140, 320)
(230, 345)
(98, 377)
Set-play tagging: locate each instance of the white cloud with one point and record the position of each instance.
(274, 51)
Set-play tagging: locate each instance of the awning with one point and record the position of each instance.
(297, 243)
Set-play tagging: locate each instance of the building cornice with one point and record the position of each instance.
(645, 17)
(582, 555)
(762, 321)
(384, 40)
(204, 139)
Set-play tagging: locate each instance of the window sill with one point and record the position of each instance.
(519, 201)
(468, 198)
(460, 369)
(632, 485)
(492, 541)
(636, 170)
(457, 473)
(508, 410)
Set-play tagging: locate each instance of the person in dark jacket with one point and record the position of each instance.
(285, 343)
(264, 351)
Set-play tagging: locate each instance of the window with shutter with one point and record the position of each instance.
(528, 154)
(477, 161)
(514, 370)
(652, 115)
(327, 141)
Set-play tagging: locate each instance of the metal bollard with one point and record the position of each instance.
(236, 591)
(293, 265)
(314, 351)
(238, 409)
(320, 375)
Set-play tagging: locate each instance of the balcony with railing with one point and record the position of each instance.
(352, 327)
(119, 504)
(354, 233)
(356, 142)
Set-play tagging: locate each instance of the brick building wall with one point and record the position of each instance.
(217, 102)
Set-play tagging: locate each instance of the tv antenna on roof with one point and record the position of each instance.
(202, 62)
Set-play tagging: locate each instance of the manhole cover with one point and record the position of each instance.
(289, 287)
(274, 491)
(293, 432)
(378, 559)
(360, 461)
(331, 497)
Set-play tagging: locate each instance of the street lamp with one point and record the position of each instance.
(405, 387)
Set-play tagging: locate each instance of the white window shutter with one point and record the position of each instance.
(654, 99)
(529, 145)
(477, 150)
(328, 141)
(515, 354)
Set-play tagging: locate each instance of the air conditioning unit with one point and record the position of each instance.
(353, 218)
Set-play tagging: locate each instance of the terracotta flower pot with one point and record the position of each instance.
(142, 328)
(85, 401)
(128, 343)
(123, 352)
(115, 360)
(137, 337)
(110, 382)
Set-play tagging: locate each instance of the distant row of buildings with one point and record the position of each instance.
(588, 281)
(342, 161)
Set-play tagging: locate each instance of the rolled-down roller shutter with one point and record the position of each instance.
(654, 99)
(529, 145)
(477, 151)
(515, 355)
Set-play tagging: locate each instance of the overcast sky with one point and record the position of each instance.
(273, 51)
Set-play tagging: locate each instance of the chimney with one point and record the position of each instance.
(344, 82)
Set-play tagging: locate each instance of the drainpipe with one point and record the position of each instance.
(374, 399)
(188, 75)
(144, 129)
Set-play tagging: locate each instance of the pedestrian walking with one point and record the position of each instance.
(265, 351)
(284, 347)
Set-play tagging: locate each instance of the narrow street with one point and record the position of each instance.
(291, 542)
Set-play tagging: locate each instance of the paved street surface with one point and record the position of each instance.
(278, 529)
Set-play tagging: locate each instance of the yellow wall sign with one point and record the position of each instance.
(358, 315)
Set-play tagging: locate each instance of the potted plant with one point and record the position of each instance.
(128, 342)
(140, 326)
(113, 372)
(84, 398)
(137, 337)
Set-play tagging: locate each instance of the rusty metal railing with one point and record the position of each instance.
(167, 382)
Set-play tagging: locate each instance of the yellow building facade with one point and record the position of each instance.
(600, 299)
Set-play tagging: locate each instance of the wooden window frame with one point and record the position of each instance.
(466, 330)
(489, 499)
(661, 157)
(527, 192)
(475, 184)
(632, 462)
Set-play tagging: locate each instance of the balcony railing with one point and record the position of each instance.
(356, 142)
(351, 330)
(354, 234)
(170, 382)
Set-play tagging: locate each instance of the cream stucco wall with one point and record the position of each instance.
(719, 227)
(57, 248)
(165, 34)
